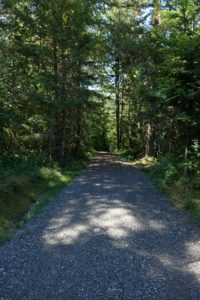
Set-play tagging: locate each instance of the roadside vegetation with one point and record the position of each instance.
(180, 181)
(26, 185)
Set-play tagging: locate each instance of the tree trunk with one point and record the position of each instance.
(56, 95)
(78, 132)
(60, 115)
(60, 136)
(150, 139)
(156, 13)
(117, 100)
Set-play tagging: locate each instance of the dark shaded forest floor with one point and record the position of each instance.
(109, 235)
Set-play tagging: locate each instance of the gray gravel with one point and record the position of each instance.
(109, 235)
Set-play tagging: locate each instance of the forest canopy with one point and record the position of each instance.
(78, 75)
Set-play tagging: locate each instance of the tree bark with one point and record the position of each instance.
(117, 100)
(150, 138)
(78, 132)
(60, 114)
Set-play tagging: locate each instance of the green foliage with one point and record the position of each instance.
(124, 154)
(63, 64)
(167, 170)
(193, 162)
(47, 61)
(169, 176)
(26, 184)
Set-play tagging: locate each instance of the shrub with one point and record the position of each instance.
(167, 169)
(193, 162)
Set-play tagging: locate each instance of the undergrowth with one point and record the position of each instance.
(23, 184)
(124, 155)
(178, 181)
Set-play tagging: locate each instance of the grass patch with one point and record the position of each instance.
(25, 185)
(180, 188)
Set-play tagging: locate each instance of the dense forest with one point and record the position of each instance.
(118, 75)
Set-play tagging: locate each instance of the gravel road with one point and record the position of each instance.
(109, 235)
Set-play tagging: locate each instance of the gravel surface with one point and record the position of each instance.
(109, 235)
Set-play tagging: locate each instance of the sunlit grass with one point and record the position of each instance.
(145, 162)
(23, 187)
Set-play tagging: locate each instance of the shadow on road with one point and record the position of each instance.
(110, 235)
(118, 238)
